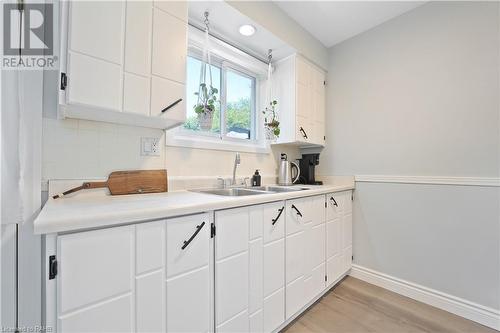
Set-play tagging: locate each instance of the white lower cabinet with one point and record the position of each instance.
(305, 252)
(338, 235)
(136, 278)
(247, 269)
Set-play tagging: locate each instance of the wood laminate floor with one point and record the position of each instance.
(354, 306)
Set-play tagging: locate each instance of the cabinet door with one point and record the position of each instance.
(169, 46)
(232, 270)
(274, 266)
(296, 254)
(334, 204)
(95, 280)
(188, 274)
(305, 252)
(334, 259)
(94, 64)
(318, 103)
(250, 268)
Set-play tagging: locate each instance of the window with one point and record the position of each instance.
(234, 116)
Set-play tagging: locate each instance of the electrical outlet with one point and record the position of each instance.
(150, 146)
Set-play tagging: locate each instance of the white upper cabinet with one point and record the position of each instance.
(124, 62)
(299, 88)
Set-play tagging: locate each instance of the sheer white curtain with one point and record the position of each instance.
(21, 126)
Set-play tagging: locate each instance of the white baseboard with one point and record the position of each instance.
(481, 314)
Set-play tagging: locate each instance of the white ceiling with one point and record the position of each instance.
(332, 22)
(225, 22)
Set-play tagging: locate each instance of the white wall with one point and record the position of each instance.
(419, 96)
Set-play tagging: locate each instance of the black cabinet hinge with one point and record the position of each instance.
(212, 230)
(52, 267)
(64, 81)
(324, 83)
(326, 204)
(326, 278)
(352, 258)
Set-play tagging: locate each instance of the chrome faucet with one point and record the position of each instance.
(236, 163)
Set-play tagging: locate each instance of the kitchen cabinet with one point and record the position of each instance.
(249, 268)
(338, 235)
(252, 268)
(125, 67)
(299, 88)
(305, 251)
(142, 278)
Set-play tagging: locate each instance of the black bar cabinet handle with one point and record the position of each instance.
(298, 211)
(304, 134)
(334, 202)
(172, 105)
(279, 214)
(198, 228)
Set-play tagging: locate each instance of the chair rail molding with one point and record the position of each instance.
(432, 180)
(481, 314)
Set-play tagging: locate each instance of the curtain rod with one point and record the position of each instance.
(229, 43)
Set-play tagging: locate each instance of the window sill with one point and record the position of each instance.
(176, 139)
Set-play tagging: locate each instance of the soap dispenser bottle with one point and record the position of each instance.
(256, 178)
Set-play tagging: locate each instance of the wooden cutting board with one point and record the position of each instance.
(128, 182)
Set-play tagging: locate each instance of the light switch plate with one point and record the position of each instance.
(150, 146)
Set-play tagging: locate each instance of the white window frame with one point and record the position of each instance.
(227, 58)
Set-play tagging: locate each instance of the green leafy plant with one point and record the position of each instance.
(271, 118)
(207, 98)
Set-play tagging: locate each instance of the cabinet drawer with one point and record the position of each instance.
(194, 255)
(274, 221)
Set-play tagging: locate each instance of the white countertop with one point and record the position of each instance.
(84, 211)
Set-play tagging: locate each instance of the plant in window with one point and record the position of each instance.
(205, 107)
(271, 122)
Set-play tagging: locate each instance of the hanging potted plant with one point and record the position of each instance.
(205, 107)
(271, 122)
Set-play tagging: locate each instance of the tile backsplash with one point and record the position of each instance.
(80, 149)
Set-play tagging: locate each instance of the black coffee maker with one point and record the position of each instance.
(307, 166)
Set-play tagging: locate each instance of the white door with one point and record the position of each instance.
(94, 64)
(188, 278)
(339, 235)
(232, 270)
(250, 268)
(297, 224)
(95, 281)
(274, 266)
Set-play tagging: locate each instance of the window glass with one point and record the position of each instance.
(234, 103)
(192, 87)
(239, 105)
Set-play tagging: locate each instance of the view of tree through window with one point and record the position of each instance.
(239, 105)
(235, 117)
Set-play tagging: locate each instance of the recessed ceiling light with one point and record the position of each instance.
(247, 30)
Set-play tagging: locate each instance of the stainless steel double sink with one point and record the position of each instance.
(244, 191)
